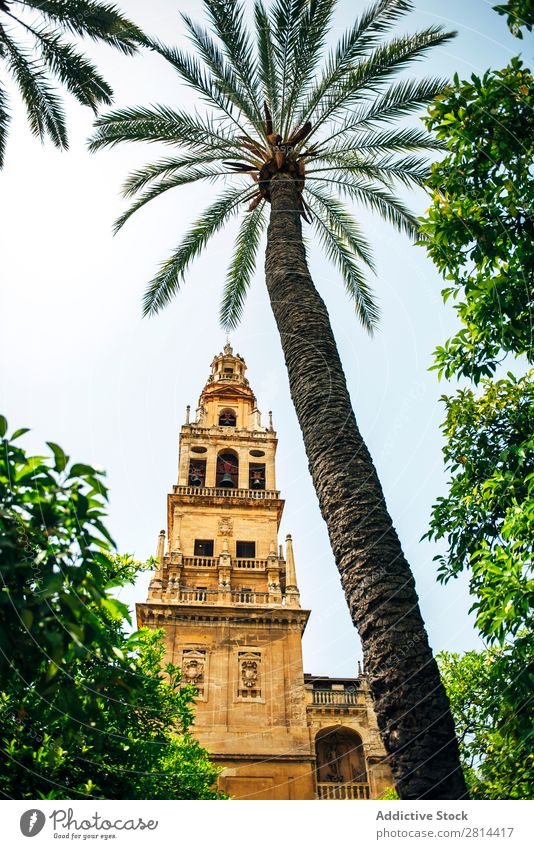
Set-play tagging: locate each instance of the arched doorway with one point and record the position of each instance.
(340, 761)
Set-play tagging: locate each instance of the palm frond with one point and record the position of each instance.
(409, 171)
(371, 74)
(339, 217)
(162, 124)
(267, 75)
(341, 241)
(166, 283)
(217, 85)
(137, 180)
(387, 205)
(242, 267)
(73, 70)
(399, 99)
(355, 43)
(312, 30)
(4, 123)
(228, 22)
(45, 114)
(99, 21)
(405, 139)
(285, 16)
(192, 175)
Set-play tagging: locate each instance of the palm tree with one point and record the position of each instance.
(33, 50)
(288, 131)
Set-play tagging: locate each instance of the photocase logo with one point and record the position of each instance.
(32, 822)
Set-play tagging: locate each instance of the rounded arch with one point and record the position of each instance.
(227, 470)
(227, 417)
(340, 756)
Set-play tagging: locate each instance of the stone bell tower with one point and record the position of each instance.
(227, 598)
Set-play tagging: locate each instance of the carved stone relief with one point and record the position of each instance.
(193, 668)
(226, 526)
(249, 683)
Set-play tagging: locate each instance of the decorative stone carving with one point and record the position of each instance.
(249, 675)
(226, 526)
(193, 668)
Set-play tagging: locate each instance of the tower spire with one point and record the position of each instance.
(292, 590)
(160, 552)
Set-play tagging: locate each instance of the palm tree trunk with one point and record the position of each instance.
(411, 704)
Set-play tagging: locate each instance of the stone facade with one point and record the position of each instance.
(226, 595)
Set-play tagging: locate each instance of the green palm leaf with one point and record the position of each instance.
(43, 52)
(375, 198)
(242, 267)
(228, 23)
(166, 283)
(192, 175)
(398, 100)
(354, 44)
(73, 70)
(137, 180)
(4, 123)
(372, 73)
(267, 69)
(358, 151)
(341, 241)
(162, 124)
(45, 114)
(99, 21)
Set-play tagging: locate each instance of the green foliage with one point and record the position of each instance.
(350, 100)
(85, 708)
(34, 52)
(389, 795)
(487, 517)
(479, 230)
(520, 13)
(490, 693)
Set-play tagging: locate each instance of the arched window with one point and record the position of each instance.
(340, 756)
(227, 474)
(256, 476)
(197, 472)
(227, 418)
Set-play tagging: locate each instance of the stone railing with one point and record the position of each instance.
(203, 562)
(228, 492)
(249, 563)
(198, 430)
(244, 597)
(196, 596)
(334, 697)
(342, 791)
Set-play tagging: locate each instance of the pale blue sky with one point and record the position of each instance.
(80, 366)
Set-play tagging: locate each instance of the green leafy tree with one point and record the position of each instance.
(520, 13)
(294, 135)
(491, 699)
(34, 52)
(85, 708)
(479, 229)
(487, 516)
(479, 232)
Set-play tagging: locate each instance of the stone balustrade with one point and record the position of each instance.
(335, 697)
(228, 492)
(332, 790)
(234, 597)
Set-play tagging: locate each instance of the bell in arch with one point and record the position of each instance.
(195, 479)
(227, 480)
